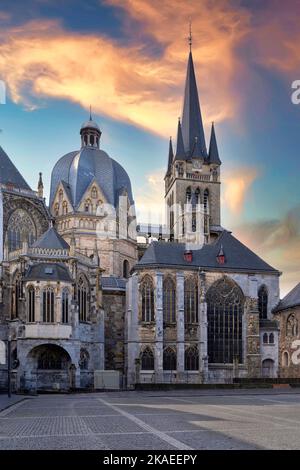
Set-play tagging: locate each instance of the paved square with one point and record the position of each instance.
(180, 420)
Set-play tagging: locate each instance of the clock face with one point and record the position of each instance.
(196, 164)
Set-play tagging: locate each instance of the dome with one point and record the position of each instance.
(77, 170)
(90, 124)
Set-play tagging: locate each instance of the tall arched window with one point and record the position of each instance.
(147, 292)
(188, 194)
(21, 228)
(191, 358)
(31, 304)
(206, 201)
(82, 298)
(285, 359)
(65, 306)
(225, 305)
(48, 305)
(263, 302)
(169, 359)
(271, 338)
(265, 338)
(147, 359)
(65, 207)
(292, 325)
(17, 294)
(190, 301)
(125, 269)
(197, 196)
(169, 301)
(94, 192)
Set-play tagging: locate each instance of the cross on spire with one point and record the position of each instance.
(190, 36)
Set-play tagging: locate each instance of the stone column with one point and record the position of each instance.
(252, 331)
(37, 304)
(133, 345)
(202, 330)
(159, 327)
(180, 325)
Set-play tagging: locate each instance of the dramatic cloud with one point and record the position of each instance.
(236, 185)
(40, 59)
(278, 242)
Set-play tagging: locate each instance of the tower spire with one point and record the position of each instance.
(170, 158)
(213, 154)
(192, 125)
(180, 153)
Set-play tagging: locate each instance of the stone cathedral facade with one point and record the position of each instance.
(79, 294)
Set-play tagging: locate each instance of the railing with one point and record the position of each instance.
(196, 176)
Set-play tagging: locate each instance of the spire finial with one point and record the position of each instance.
(90, 113)
(190, 36)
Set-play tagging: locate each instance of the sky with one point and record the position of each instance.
(127, 58)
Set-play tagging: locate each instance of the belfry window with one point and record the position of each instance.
(190, 301)
(169, 301)
(188, 195)
(225, 305)
(147, 294)
(48, 305)
(206, 201)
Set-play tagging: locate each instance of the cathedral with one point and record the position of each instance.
(79, 293)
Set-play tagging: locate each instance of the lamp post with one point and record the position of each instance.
(9, 366)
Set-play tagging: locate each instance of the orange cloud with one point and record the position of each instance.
(40, 59)
(236, 184)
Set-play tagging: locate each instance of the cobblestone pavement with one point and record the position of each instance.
(180, 420)
(5, 401)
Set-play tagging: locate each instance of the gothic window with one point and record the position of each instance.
(125, 269)
(191, 359)
(190, 301)
(197, 196)
(21, 228)
(169, 301)
(265, 338)
(271, 338)
(188, 194)
(60, 195)
(147, 359)
(87, 205)
(169, 359)
(65, 306)
(94, 193)
(292, 326)
(206, 201)
(82, 298)
(194, 223)
(225, 305)
(84, 359)
(48, 305)
(147, 291)
(285, 359)
(65, 207)
(31, 304)
(17, 296)
(263, 302)
(56, 209)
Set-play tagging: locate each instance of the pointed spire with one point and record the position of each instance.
(170, 158)
(213, 156)
(40, 186)
(192, 126)
(180, 153)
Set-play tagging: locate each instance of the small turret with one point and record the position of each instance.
(40, 186)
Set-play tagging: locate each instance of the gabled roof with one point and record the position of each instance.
(213, 154)
(192, 126)
(238, 256)
(49, 272)
(9, 173)
(291, 300)
(51, 240)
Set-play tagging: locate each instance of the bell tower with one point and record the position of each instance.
(192, 180)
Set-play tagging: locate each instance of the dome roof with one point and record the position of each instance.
(90, 124)
(77, 170)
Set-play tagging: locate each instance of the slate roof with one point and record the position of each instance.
(213, 154)
(48, 272)
(238, 256)
(80, 168)
(291, 300)
(170, 157)
(192, 125)
(9, 173)
(51, 240)
(113, 283)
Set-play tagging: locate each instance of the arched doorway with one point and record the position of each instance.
(50, 367)
(268, 368)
